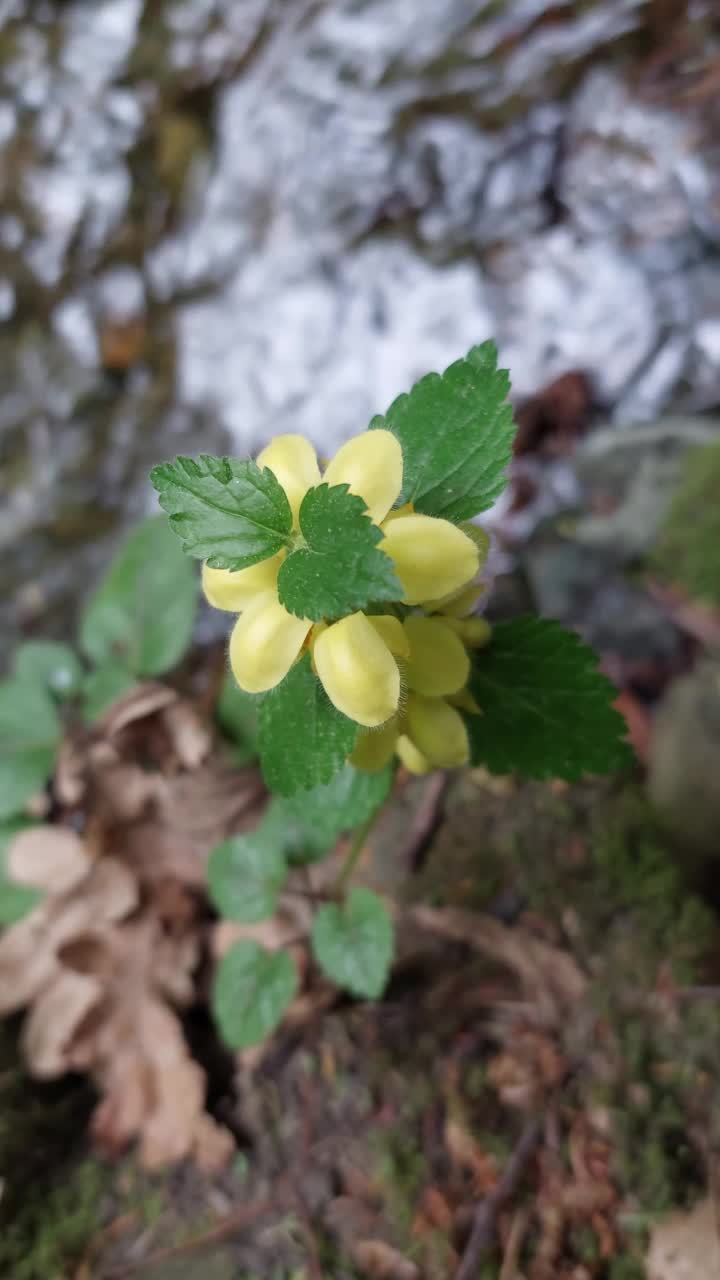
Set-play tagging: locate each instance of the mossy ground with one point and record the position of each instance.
(356, 1112)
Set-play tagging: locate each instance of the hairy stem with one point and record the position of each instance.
(355, 850)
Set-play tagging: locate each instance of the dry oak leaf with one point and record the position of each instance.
(51, 858)
(29, 950)
(686, 1246)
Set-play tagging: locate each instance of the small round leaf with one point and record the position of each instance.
(252, 990)
(246, 874)
(353, 943)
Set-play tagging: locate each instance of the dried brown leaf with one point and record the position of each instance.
(51, 858)
(379, 1261)
(55, 1016)
(190, 735)
(142, 701)
(686, 1246)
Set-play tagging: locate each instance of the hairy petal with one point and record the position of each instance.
(293, 462)
(358, 671)
(438, 663)
(438, 731)
(431, 556)
(372, 467)
(264, 644)
(234, 591)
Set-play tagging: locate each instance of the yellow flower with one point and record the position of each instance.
(294, 464)
(438, 731)
(432, 557)
(234, 591)
(414, 760)
(265, 642)
(375, 748)
(371, 464)
(358, 671)
(438, 663)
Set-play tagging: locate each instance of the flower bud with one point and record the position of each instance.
(358, 671)
(460, 603)
(375, 748)
(438, 731)
(474, 632)
(413, 759)
(265, 642)
(431, 556)
(391, 630)
(438, 663)
(372, 465)
(293, 462)
(234, 591)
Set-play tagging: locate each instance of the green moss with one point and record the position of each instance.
(688, 550)
(52, 1231)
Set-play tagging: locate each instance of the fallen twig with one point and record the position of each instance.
(245, 1217)
(486, 1214)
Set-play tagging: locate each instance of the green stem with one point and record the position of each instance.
(355, 850)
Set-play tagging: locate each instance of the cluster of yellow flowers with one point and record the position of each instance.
(401, 678)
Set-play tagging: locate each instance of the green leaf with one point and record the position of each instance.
(304, 740)
(54, 666)
(247, 872)
(546, 709)
(226, 511)
(102, 687)
(340, 570)
(347, 801)
(236, 713)
(456, 430)
(29, 735)
(252, 990)
(16, 900)
(141, 616)
(353, 943)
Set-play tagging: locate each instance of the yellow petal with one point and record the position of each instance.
(375, 748)
(474, 632)
(438, 731)
(413, 759)
(460, 603)
(371, 464)
(432, 557)
(438, 663)
(293, 462)
(465, 701)
(358, 671)
(265, 642)
(391, 630)
(234, 591)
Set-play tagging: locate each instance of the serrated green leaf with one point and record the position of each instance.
(456, 430)
(236, 713)
(252, 990)
(227, 511)
(304, 740)
(102, 687)
(353, 943)
(16, 900)
(29, 736)
(347, 801)
(141, 616)
(52, 665)
(546, 709)
(340, 570)
(247, 872)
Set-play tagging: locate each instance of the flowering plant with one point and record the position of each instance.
(355, 590)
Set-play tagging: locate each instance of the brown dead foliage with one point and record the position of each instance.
(108, 960)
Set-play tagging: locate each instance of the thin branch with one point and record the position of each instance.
(486, 1214)
(245, 1217)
